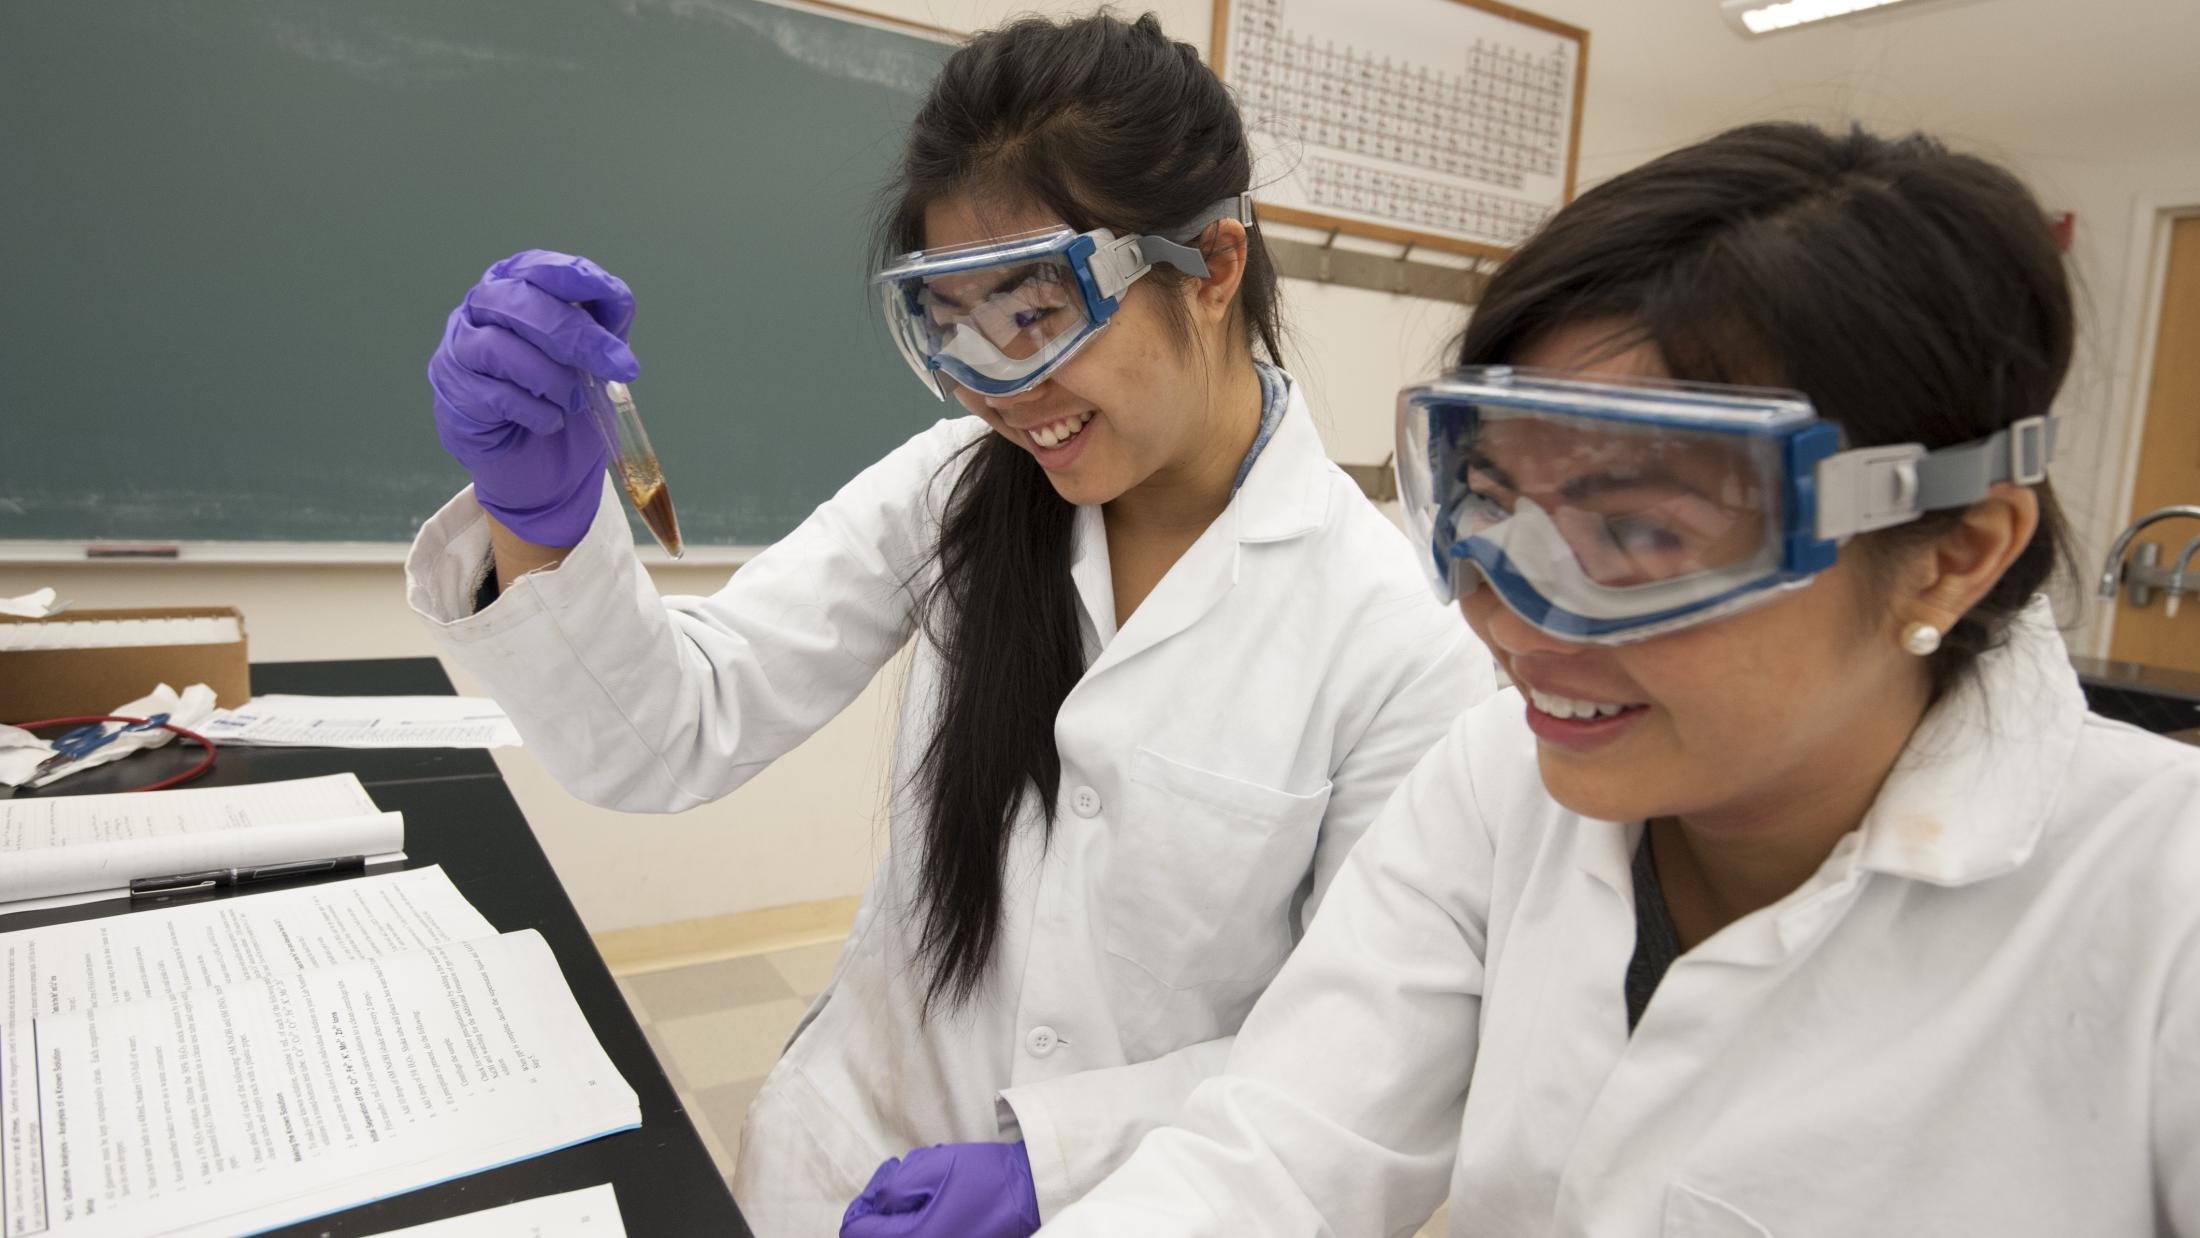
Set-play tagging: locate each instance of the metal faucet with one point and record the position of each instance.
(2175, 585)
(2112, 572)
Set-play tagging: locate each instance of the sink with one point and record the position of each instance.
(2153, 698)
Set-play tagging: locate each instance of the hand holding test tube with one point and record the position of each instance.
(633, 461)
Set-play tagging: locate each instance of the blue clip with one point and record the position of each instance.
(91, 737)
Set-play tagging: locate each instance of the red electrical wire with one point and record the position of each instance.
(164, 783)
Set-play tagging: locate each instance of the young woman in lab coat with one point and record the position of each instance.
(1169, 662)
(1798, 892)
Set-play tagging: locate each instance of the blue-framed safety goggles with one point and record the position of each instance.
(998, 316)
(1607, 512)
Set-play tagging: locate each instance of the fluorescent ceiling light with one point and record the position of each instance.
(1755, 17)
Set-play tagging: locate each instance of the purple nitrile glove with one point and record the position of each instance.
(509, 400)
(954, 1190)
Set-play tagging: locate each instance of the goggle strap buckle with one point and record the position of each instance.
(2031, 446)
(1875, 487)
(1117, 265)
(1182, 250)
(1868, 488)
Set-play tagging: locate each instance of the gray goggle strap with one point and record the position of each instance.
(1120, 262)
(1876, 487)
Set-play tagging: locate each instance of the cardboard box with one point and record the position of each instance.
(67, 683)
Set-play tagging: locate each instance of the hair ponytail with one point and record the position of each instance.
(1104, 123)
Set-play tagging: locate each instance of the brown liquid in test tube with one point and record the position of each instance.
(633, 462)
(644, 481)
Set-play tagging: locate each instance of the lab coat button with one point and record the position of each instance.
(1041, 1041)
(1085, 802)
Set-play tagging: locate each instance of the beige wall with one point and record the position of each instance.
(2088, 111)
(802, 830)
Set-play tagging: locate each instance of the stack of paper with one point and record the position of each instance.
(121, 633)
(590, 1213)
(96, 844)
(232, 1066)
(365, 722)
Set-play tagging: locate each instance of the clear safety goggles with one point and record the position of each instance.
(998, 316)
(1604, 512)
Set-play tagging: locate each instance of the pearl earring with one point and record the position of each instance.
(1921, 639)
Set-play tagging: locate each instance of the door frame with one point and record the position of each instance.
(2139, 320)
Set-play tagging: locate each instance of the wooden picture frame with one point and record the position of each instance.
(1430, 183)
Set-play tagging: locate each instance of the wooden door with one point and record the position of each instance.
(2169, 463)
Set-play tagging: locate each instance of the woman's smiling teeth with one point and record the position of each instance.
(1568, 707)
(1056, 433)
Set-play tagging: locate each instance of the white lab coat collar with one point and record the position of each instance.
(1288, 492)
(1286, 495)
(1971, 794)
(1091, 572)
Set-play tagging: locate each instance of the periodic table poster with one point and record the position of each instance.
(1446, 123)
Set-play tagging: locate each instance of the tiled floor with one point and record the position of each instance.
(718, 1027)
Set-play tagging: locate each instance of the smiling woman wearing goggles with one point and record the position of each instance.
(1796, 892)
(1168, 661)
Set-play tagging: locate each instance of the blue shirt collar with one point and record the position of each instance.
(1275, 398)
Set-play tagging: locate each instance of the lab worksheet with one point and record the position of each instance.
(365, 722)
(240, 1064)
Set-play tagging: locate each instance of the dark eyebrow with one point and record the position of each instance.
(1605, 483)
(1482, 463)
(1592, 484)
(1014, 277)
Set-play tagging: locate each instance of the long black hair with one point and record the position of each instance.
(1914, 294)
(1102, 123)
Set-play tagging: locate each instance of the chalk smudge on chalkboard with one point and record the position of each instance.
(394, 58)
(852, 60)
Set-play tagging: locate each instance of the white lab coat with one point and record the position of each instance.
(1219, 757)
(1980, 1016)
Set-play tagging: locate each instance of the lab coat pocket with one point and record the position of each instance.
(1206, 870)
(1689, 1213)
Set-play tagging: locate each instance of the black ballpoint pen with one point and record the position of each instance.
(184, 883)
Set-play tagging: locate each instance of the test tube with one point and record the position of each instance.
(633, 462)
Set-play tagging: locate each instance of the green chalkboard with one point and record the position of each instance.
(232, 229)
